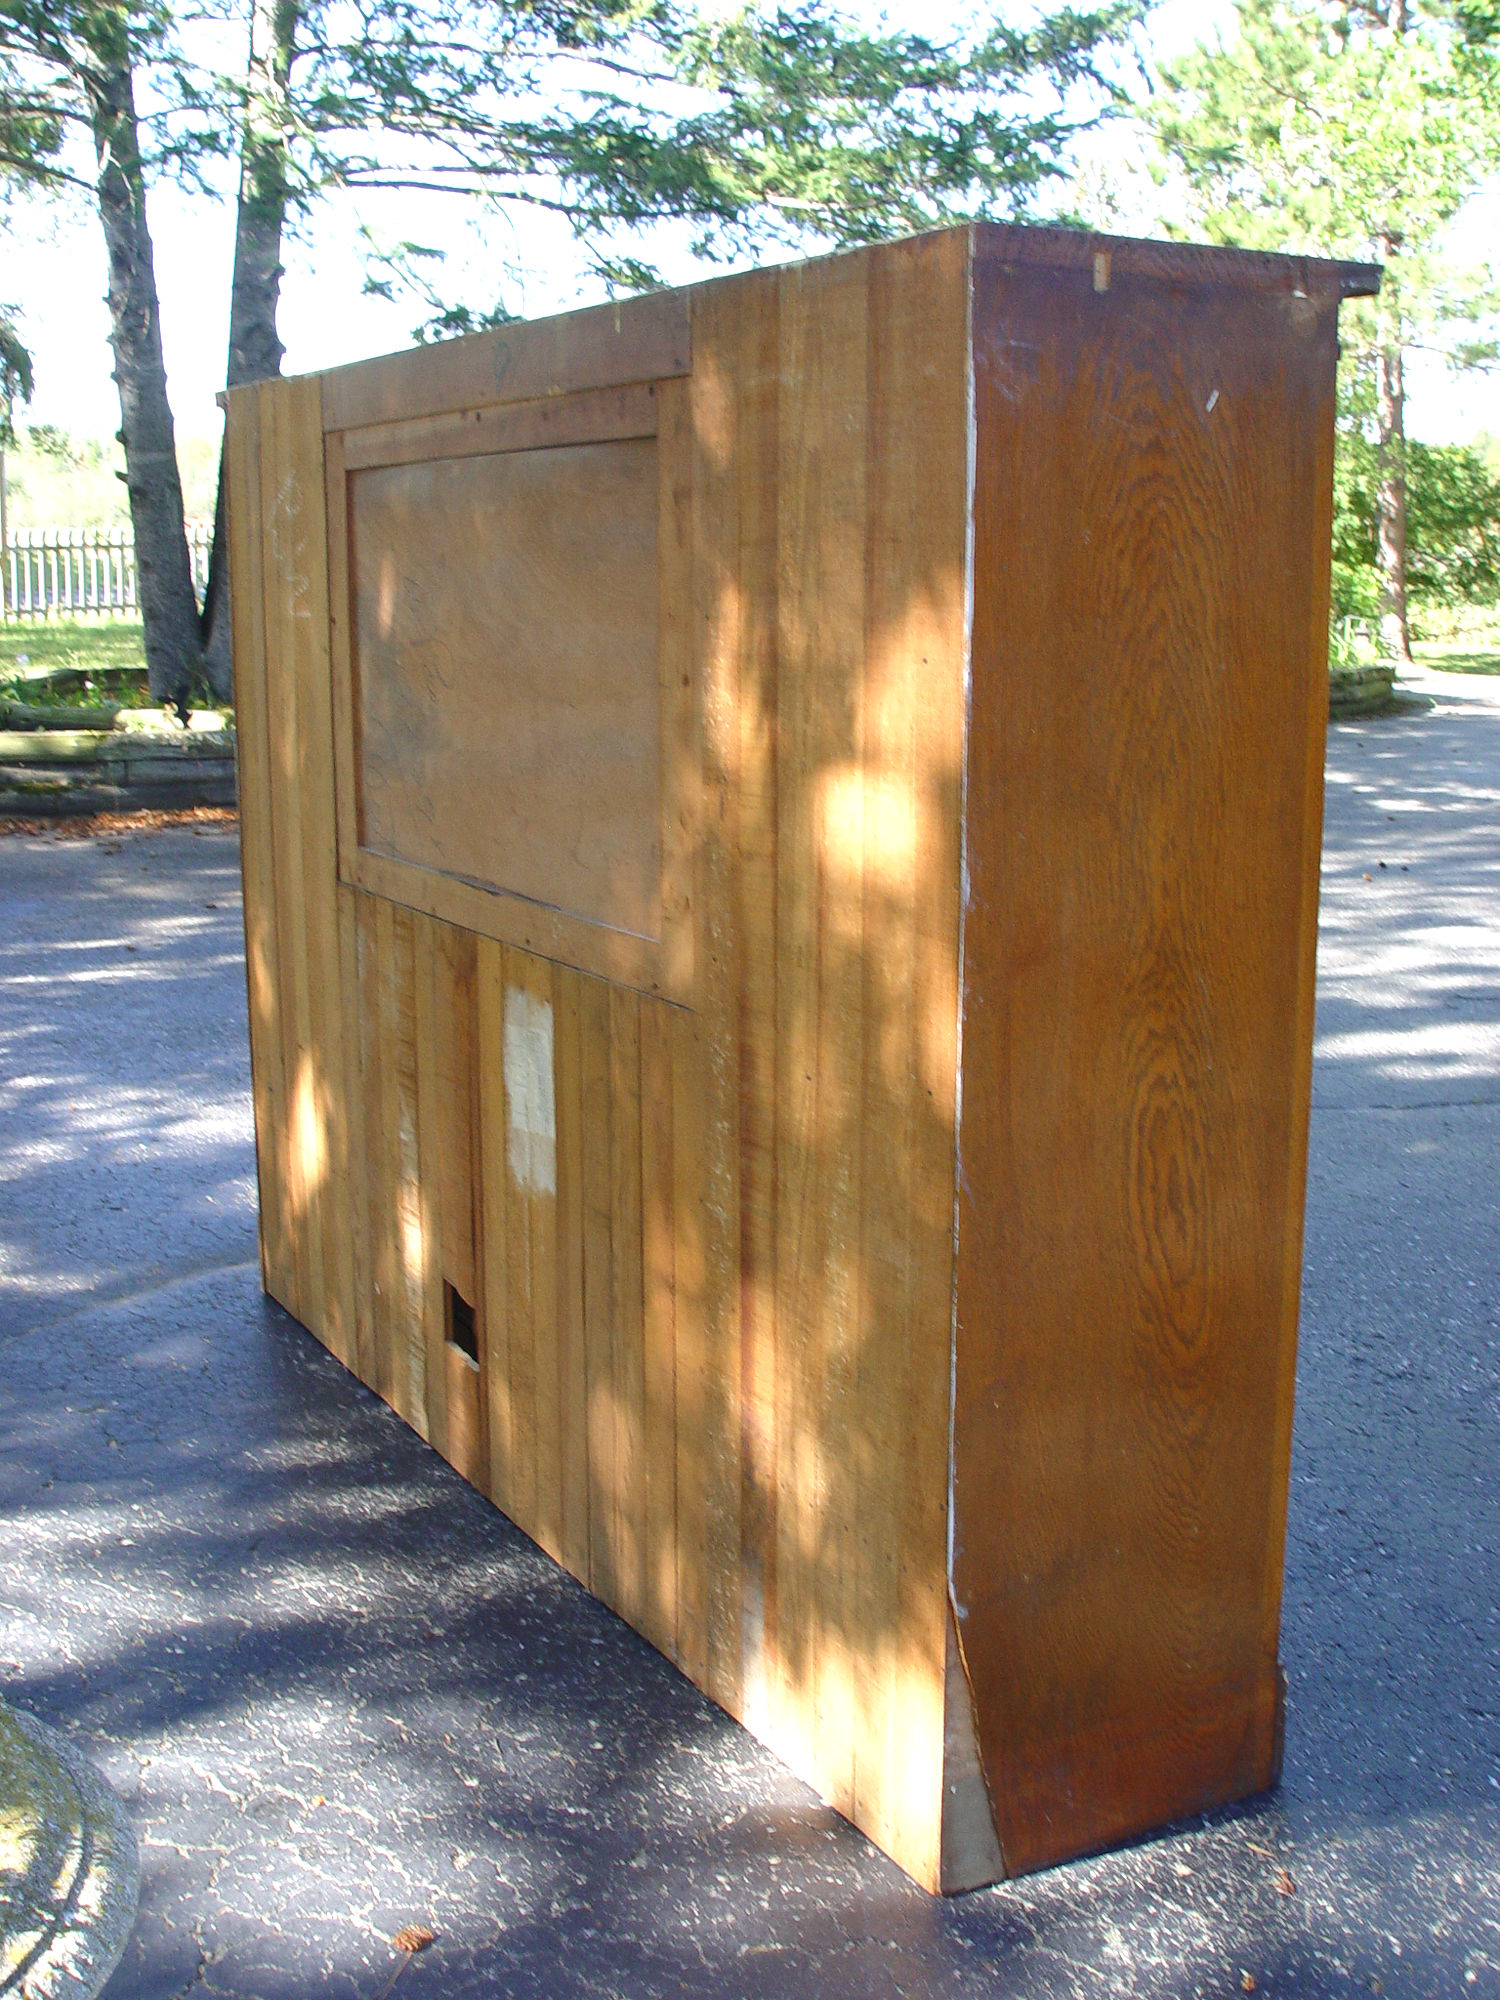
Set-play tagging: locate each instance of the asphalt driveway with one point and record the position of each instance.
(341, 1694)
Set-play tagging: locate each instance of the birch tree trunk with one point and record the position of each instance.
(169, 609)
(255, 348)
(1390, 437)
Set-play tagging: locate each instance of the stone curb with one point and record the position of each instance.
(1367, 690)
(26, 796)
(69, 1869)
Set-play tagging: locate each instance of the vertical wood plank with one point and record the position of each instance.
(913, 747)
(572, 1351)
(341, 648)
(257, 845)
(1317, 505)
(627, 1342)
(494, 1230)
(431, 1039)
(533, 1189)
(453, 972)
(691, 1350)
(711, 1480)
(820, 950)
(479, 1296)
(659, 1258)
(598, 1286)
(735, 395)
(303, 562)
(359, 1152)
(376, 1204)
(522, 1283)
(298, 1136)
(413, 1218)
(681, 764)
(378, 1004)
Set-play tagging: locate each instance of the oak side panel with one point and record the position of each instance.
(1150, 579)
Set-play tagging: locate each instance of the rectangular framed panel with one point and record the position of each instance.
(516, 739)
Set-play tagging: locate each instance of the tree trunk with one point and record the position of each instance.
(255, 348)
(1390, 422)
(169, 610)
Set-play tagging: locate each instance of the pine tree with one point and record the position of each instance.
(1353, 130)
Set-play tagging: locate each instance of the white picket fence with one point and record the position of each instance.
(82, 572)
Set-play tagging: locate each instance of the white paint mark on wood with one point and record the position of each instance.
(529, 1101)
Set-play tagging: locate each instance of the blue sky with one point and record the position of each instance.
(56, 274)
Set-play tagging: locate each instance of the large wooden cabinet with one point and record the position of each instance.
(781, 837)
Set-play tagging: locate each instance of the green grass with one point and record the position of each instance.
(1458, 639)
(1455, 659)
(107, 652)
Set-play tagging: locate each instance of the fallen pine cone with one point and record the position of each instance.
(412, 1937)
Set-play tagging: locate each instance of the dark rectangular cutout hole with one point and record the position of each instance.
(462, 1332)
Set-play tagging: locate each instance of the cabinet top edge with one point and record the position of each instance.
(649, 337)
(1210, 264)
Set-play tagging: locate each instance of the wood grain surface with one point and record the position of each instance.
(514, 706)
(1151, 525)
(763, 709)
(632, 340)
(508, 724)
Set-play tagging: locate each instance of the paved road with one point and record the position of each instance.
(341, 1694)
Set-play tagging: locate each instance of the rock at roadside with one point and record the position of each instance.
(1364, 690)
(68, 1867)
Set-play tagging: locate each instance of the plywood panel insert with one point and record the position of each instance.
(508, 702)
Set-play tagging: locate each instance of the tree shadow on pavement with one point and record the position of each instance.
(341, 1693)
